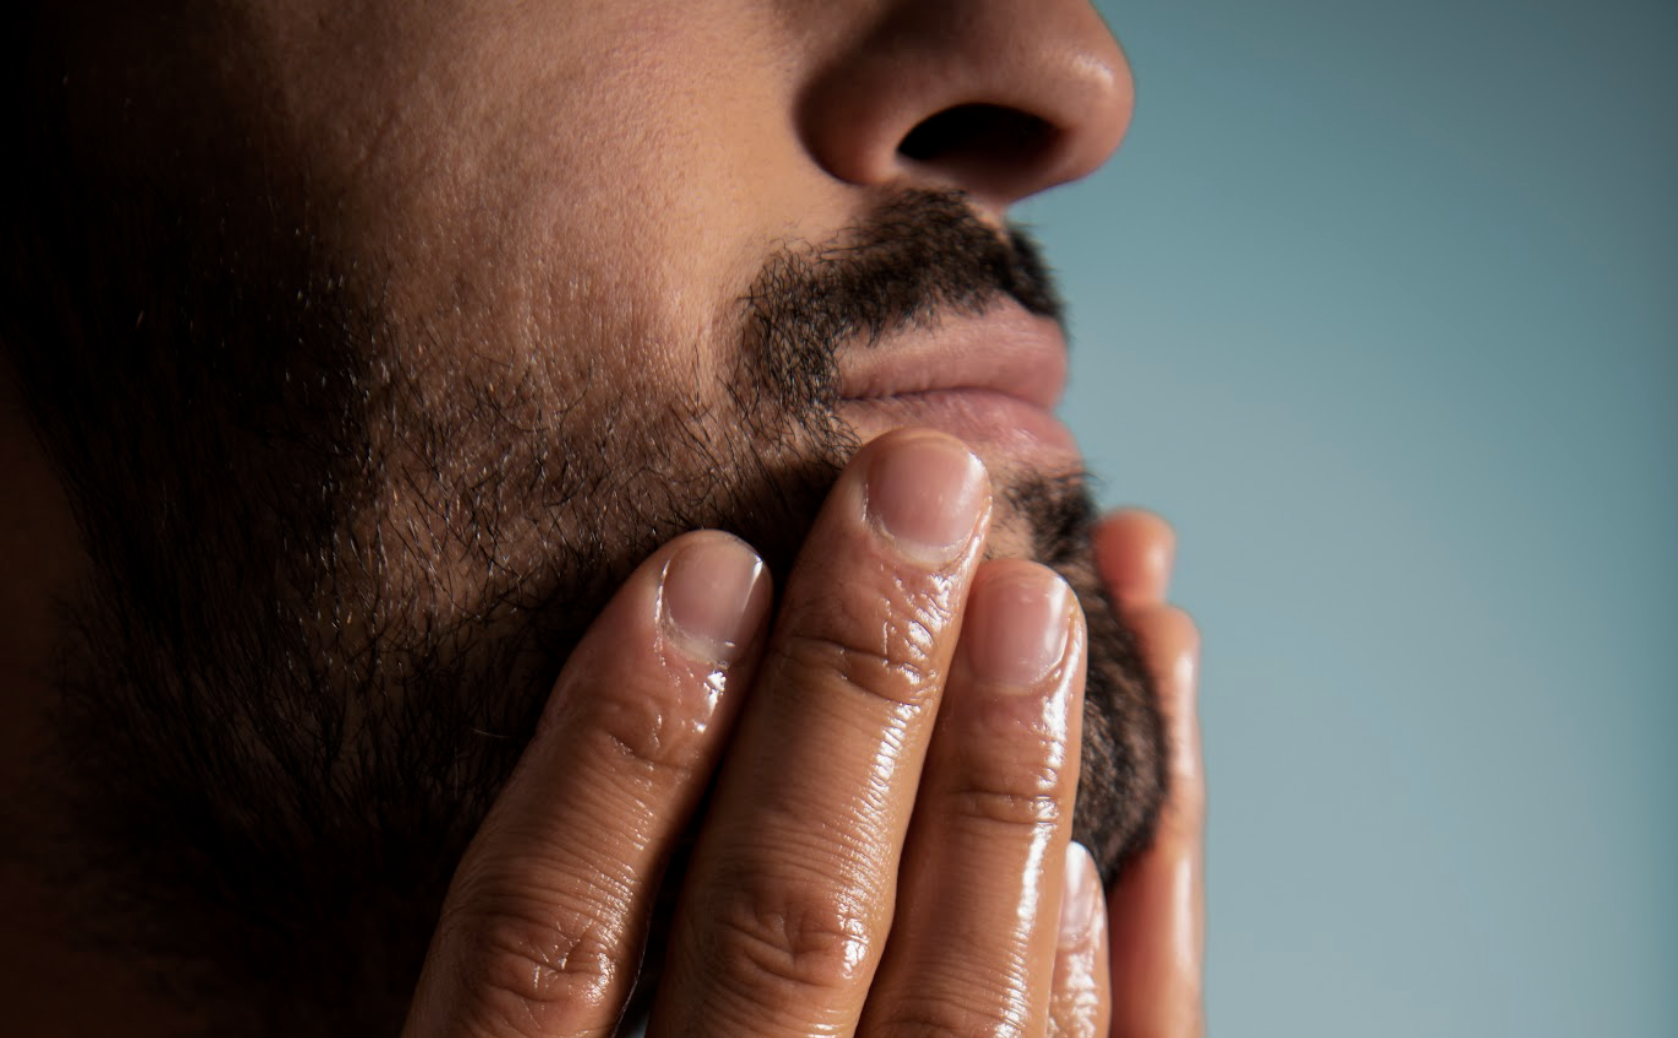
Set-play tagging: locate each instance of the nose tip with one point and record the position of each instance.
(998, 98)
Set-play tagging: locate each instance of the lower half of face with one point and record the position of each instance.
(340, 554)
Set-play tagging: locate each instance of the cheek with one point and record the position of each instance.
(560, 220)
(592, 191)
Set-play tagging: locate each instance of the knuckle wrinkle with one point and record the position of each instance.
(932, 1017)
(526, 975)
(899, 672)
(773, 947)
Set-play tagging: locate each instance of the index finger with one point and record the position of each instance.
(543, 923)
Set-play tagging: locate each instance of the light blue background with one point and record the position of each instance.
(1379, 303)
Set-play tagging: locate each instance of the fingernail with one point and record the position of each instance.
(1080, 898)
(927, 493)
(707, 594)
(1017, 626)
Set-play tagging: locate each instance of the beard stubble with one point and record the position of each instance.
(332, 586)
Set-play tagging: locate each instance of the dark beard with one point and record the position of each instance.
(920, 258)
(281, 733)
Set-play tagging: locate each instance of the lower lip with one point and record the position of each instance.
(980, 417)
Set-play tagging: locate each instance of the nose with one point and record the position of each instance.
(999, 98)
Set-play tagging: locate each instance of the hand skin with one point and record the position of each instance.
(1157, 910)
(869, 751)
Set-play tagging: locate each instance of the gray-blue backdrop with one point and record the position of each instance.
(1379, 303)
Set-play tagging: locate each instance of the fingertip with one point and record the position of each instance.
(1135, 551)
(693, 610)
(1170, 641)
(715, 595)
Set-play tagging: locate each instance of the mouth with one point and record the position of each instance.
(992, 380)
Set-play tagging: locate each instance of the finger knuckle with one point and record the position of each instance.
(527, 971)
(650, 734)
(1024, 784)
(1188, 800)
(930, 1017)
(1010, 809)
(775, 944)
(900, 669)
(1181, 822)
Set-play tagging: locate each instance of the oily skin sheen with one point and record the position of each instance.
(374, 367)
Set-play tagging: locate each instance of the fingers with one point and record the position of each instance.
(973, 947)
(1157, 909)
(791, 890)
(845, 785)
(542, 925)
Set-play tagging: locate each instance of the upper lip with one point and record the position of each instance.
(1006, 350)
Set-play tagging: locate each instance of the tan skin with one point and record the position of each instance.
(532, 941)
(966, 819)
(909, 876)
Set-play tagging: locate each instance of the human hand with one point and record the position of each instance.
(839, 792)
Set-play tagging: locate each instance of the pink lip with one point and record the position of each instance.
(991, 380)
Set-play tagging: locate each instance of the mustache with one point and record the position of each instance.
(921, 254)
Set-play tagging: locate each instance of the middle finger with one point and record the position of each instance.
(790, 894)
(973, 947)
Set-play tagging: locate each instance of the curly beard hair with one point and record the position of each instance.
(332, 586)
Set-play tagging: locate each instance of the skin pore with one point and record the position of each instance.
(369, 355)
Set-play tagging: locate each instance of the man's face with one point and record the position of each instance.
(377, 341)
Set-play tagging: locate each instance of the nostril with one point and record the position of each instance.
(994, 98)
(979, 136)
